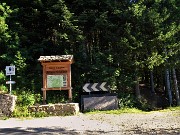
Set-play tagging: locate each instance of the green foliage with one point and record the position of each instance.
(134, 110)
(2, 77)
(4, 13)
(111, 41)
(19, 62)
(142, 104)
(27, 98)
(127, 100)
(4, 118)
(177, 108)
(39, 114)
(3, 88)
(154, 60)
(21, 111)
(119, 111)
(57, 97)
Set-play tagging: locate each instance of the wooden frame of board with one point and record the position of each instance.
(56, 73)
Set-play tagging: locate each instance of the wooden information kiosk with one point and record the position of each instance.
(56, 73)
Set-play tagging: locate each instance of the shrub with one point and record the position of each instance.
(127, 100)
(3, 88)
(26, 97)
(21, 112)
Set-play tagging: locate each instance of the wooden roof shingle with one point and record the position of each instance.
(56, 58)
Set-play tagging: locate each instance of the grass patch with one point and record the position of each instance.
(119, 111)
(132, 110)
(177, 108)
(4, 118)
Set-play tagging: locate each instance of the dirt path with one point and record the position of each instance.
(93, 124)
(151, 123)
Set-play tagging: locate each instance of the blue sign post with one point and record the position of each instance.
(10, 70)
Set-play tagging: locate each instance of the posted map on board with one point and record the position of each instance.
(54, 81)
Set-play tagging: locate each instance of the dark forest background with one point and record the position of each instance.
(131, 44)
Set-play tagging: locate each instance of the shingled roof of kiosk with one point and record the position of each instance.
(60, 58)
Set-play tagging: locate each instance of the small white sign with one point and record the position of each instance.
(10, 70)
(10, 82)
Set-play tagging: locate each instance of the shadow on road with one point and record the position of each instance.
(49, 131)
(157, 131)
(63, 131)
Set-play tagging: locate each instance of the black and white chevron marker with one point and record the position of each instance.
(90, 87)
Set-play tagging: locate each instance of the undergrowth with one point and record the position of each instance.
(127, 104)
(132, 110)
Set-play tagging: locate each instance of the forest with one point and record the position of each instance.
(133, 45)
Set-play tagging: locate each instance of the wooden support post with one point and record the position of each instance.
(44, 84)
(44, 96)
(69, 80)
(70, 95)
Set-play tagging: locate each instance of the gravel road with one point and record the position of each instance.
(93, 124)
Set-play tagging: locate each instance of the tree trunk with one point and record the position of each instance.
(137, 90)
(176, 87)
(152, 81)
(167, 81)
(168, 88)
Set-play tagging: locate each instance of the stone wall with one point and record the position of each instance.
(60, 109)
(7, 104)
